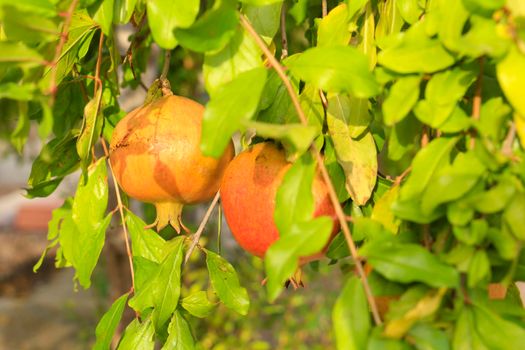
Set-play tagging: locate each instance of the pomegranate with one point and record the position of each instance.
(248, 191)
(155, 156)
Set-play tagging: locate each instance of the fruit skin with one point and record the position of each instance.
(248, 192)
(155, 156)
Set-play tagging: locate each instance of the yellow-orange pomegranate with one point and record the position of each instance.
(248, 191)
(155, 155)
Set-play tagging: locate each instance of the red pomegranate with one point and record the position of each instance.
(248, 191)
(155, 155)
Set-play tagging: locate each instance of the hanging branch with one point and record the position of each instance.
(284, 39)
(120, 207)
(58, 50)
(326, 177)
(200, 230)
(476, 101)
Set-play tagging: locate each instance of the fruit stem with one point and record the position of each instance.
(168, 213)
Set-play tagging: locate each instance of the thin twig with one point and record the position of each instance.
(121, 211)
(324, 6)
(284, 39)
(98, 82)
(58, 50)
(315, 152)
(476, 101)
(166, 66)
(200, 230)
(506, 148)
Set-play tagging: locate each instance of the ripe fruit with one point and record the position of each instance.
(248, 191)
(155, 155)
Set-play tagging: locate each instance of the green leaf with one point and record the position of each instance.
(180, 337)
(104, 16)
(138, 336)
(357, 157)
(144, 242)
(82, 235)
(409, 10)
(301, 240)
(390, 20)
(410, 309)
(57, 159)
(452, 182)
(166, 15)
(241, 54)
(38, 7)
(80, 30)
(427, 337)
(367, 37)
(265, 19)
(166, 291)
(20, 54)
(484, 38)
(442, 94)
(144, 270)
(402, 98)
(496, 332)
(198, 304)
(108, 323)
(451, 16)
(513, 215)
(295, 137)
(478, 269)
(406, 263)
(212, 31)
(496, 198)
(492, 117)
(27, 27)
(235, 103)
(426, 163)
(123, 9)
(336, 69)
(351, 317)
(225, 283)
(18, 92)
(353, 110)
(466, 336)
(382, 211)
(21, 132)
(91, 129)
(294, 201)
(414, 52)
(333, 28)
(311, 105)
(336, 172)
(511, 75)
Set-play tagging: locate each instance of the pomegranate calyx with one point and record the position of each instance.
(168, 213)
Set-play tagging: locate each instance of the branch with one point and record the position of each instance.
(58, 50)
(121, 211)
(324, 6)
(165, 84)
(476, 102)
(284, 40)
(98, 82)
(200, 230)
(320, 164)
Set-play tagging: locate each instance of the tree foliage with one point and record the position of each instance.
(415, 105)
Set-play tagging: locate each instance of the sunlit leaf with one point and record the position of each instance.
(180, 337)
(336, 69)
(351, 317)
(235, 103)
(166, 15)
(108, 323)
(225, 283)
(198, 304)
